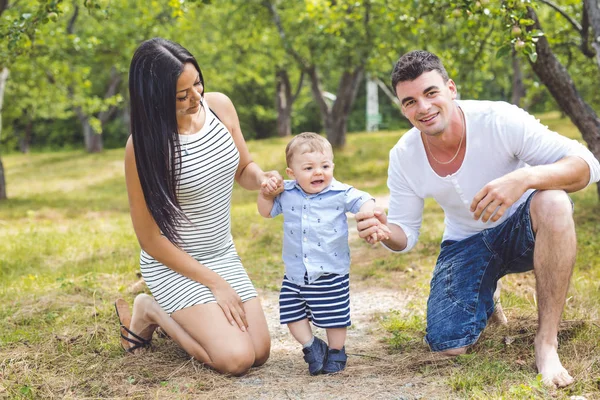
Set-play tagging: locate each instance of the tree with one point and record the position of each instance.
(524, 33)
(97, 64)
(593, 15)
(285, 100)
(18, 33)
(257, 76)
(334, 116)
(335, 41)
(558, 81)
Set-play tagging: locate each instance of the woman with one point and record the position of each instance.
(180, 163)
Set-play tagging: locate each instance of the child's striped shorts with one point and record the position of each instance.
(325, 302)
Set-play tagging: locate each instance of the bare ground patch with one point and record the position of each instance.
(371, 373)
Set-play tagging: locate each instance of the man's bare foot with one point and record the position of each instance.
(141, 324)
(498, 316)
(453, 352)
(548, 364)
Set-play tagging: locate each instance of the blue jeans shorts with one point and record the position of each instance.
(465, 278)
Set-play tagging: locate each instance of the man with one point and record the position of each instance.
(501, 216)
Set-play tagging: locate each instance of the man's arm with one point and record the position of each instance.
(405, 209)
(558, 163)
(570, 174)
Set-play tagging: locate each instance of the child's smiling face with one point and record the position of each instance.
(313, 171)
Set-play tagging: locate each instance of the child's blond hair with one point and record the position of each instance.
(307, 142)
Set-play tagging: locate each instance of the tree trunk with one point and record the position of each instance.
(593, 10)
(335, 118)
(284, 103)
(92, 139)
(2, 182)
(3, 78)
(518, 89)
(25, 138)
(346, 94)
(558, 81)
(335, 129)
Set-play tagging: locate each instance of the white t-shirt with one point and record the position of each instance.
(500, 139)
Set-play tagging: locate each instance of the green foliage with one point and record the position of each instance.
(63, 77)
(19, 26)
(508, 28)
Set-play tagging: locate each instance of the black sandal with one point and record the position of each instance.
(138, 341)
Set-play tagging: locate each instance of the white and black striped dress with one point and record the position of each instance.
(209, 162)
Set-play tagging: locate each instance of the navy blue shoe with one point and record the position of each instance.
(336, 361)
(315, 356)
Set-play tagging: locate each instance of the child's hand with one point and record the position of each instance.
(383, 233)
(270, 187)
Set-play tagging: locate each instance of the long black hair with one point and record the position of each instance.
(153, 74)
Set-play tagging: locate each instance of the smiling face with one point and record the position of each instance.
(313, 171)
(189, 91)
(427, 102)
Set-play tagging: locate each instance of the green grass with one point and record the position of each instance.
(67, 250)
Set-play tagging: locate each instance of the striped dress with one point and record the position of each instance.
(209, 161)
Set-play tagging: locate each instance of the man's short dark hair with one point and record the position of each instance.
(411, 65)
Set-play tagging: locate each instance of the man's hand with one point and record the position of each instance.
(499, 195)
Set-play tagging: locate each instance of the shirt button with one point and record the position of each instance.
(304, 216)
(305, 239)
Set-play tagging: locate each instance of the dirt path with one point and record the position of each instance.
(371, 372)
(286, 377)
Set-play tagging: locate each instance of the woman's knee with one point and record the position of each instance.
(262, 353)
(234, 361)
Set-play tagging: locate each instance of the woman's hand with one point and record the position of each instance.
(231, 304)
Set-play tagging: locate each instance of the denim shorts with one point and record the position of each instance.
(465, 278)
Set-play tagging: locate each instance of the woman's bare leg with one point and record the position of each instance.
(204, 333)
(258, 330)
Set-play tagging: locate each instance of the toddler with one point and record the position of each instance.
(315, 248)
